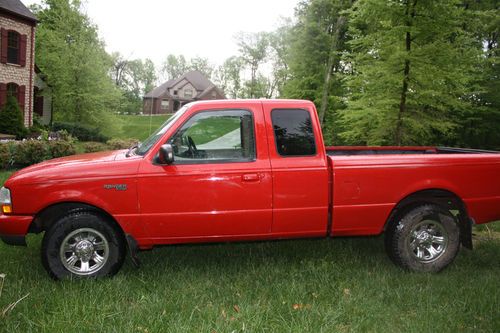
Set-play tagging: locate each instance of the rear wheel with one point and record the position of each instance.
(424, 239)
(82, 244)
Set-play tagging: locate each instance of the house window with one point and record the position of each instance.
(13, 47)
(164, 104)
(188, 93)
(175, 92)
(13, 90)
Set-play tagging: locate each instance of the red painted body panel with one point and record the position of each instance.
(299, 183)
(366, 188)
(205, 200)
(268, 198)
(13, 225)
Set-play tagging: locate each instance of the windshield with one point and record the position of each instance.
(145, 146)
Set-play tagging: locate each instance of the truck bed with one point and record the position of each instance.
(397, 150)
(369, 181)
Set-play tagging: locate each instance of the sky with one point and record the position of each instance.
(206, 28)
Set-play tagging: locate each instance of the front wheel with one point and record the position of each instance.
(424, 239)
(82, 244)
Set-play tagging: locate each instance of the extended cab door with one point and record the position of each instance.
(299, 166)
(220, 182)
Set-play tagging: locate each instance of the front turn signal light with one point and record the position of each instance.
(5, 200)
(6, 209)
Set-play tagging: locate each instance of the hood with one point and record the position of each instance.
(101, 164)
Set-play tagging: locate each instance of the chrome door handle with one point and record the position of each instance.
(250, 177)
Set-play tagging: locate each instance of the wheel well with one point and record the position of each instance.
(49, 215)
(444, 198)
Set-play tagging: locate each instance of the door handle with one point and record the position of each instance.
(250, 177)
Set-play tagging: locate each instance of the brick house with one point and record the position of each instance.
(17, 63)
(171, 95)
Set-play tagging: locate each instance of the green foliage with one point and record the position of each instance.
(37, 126)
(134, 78)
(73, 58)
(60, 148)
(253, 53)
(479, 125)
(116, 144)
(30, 152)
(92, 147)
(80, 131)
(311, 55)
(11, 119)
(6, 152)
(412, 64)
(441, 88)
(175, 66)
(228, 77)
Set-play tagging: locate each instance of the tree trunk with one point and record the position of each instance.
(339, 25)
(406, 73)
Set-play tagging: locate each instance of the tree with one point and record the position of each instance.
(134, 78)
(174, 66)
(119, 68)
(479, 125)
(228, 77)
(279, 44)
(11, 118)
(316, 42)
(253, 52)
(202, 65)
(70, 53)
(411, 65)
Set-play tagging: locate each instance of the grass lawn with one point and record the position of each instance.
(139, 127)
(339, 285)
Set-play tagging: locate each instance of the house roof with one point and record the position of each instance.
(209, 89)
(17, 8)
(160, 90)
(196, 78)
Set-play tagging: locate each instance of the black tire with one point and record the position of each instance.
(423, 239)
(93, 248)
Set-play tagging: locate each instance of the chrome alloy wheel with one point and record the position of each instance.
(84, 251)
(427, 241)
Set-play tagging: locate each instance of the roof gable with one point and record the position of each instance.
(17, 8)
(160, 90)
(196, 78)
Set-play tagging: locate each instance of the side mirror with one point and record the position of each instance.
(166, 154)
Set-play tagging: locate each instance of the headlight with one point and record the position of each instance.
(5, 200)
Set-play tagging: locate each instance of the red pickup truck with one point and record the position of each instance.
(221, 171)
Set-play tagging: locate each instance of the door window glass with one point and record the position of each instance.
(215, 136)
(293, 132)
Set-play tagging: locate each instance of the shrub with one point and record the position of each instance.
(30, 152)
(115, 144)
(25, 153)
(6, 159)
(92, 147)
(11, 119)
(82, 132)
(60, 148)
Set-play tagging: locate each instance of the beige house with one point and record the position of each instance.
(171, 95)
(17, 63)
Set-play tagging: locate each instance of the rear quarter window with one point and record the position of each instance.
(293, 132)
